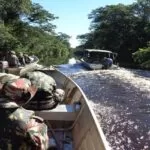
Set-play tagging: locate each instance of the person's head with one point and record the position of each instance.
(26, 55)
(20, 54)
(12, 53)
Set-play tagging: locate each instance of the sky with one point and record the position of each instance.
(73, 14)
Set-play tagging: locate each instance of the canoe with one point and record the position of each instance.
(73, 124)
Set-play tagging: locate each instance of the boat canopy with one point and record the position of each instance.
(98, 50)
(97, 55)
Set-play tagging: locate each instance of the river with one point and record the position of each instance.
(121, 101)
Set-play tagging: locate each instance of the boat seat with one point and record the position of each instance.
(60, 113)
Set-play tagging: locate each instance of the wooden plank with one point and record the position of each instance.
(61, 112)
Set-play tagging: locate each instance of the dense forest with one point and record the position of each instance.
(28, 27)
(124, 29)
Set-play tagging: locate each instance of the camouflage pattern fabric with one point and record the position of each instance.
(21, 130)
(46, 97)
(41, 81)
(13, 61)
(18, 90)
(21, 59)
(6, 77)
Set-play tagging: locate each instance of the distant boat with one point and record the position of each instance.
(93, 59)
(73, 124)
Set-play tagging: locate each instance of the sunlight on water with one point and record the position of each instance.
(121, 101)
(69, 69)
(72, 61)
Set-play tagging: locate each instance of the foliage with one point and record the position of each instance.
(142, 57)
(120, 28)
(28, 27)
(6, 38)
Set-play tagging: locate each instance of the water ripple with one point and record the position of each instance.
(121, 101)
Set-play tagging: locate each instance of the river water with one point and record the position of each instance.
(121, 101)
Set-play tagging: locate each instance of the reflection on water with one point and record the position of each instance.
(72, 61)
(121, 101)
(70, 69)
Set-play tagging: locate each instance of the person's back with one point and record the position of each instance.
(110, 62)
(19, 128)
(13, 60)
(47, 95)
(27, 59)
(107, 62)
(21, 59)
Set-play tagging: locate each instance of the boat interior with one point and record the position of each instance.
(72, 125)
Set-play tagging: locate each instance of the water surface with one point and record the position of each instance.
(121, 101)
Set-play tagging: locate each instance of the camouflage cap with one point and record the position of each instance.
(47, 96)
(5, 77)
(19, 91)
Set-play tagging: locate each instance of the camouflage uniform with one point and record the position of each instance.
(13, 60)
(21, 59)
(47, 96)
(27, 59)
(19, 128)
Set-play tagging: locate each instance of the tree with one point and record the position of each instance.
(28, 27)
(41, 17)
(119, 28)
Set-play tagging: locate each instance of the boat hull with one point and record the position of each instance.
(74, 118)
(86, 131)
(97, 66)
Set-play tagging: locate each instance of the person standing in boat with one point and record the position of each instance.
(20, 128)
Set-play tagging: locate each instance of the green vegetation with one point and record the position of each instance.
(142, 57)
(27, 27)
(124, 29)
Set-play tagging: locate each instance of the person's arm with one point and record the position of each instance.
(37, 133)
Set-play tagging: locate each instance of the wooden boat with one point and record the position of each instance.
(93, 59)
(73, 124)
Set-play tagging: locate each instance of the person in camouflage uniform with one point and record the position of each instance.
(21, 59)
(20, 129)
(27, 59)
(13, 59)
(47, 96)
